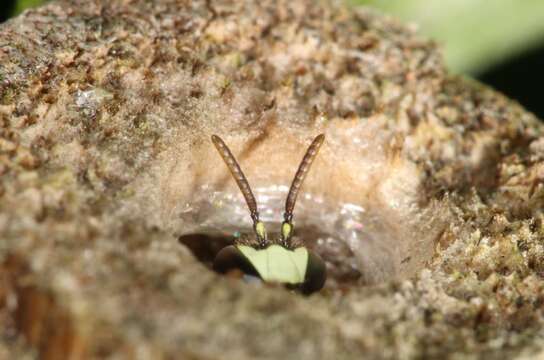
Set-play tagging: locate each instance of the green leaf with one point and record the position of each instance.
(24, 4)
(476, 34)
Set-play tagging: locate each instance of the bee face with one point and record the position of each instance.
(273, 261)
(297, 268)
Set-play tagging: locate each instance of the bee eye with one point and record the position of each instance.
(315, 274)
(230, 258)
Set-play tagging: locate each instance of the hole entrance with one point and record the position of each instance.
(342, 269)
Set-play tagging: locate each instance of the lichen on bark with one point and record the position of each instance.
(106, 111)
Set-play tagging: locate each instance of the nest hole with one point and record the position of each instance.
(342, 271)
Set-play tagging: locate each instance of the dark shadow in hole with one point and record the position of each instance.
(205, 247)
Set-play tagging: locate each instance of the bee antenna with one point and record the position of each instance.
(243, 185)
(303, 168)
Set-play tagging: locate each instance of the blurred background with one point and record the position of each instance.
(499, 42)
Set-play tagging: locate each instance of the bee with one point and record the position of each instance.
(282, 259)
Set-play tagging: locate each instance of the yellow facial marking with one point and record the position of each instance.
(286, 230)
(260, 230)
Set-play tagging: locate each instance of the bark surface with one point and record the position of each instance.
(106, 109)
